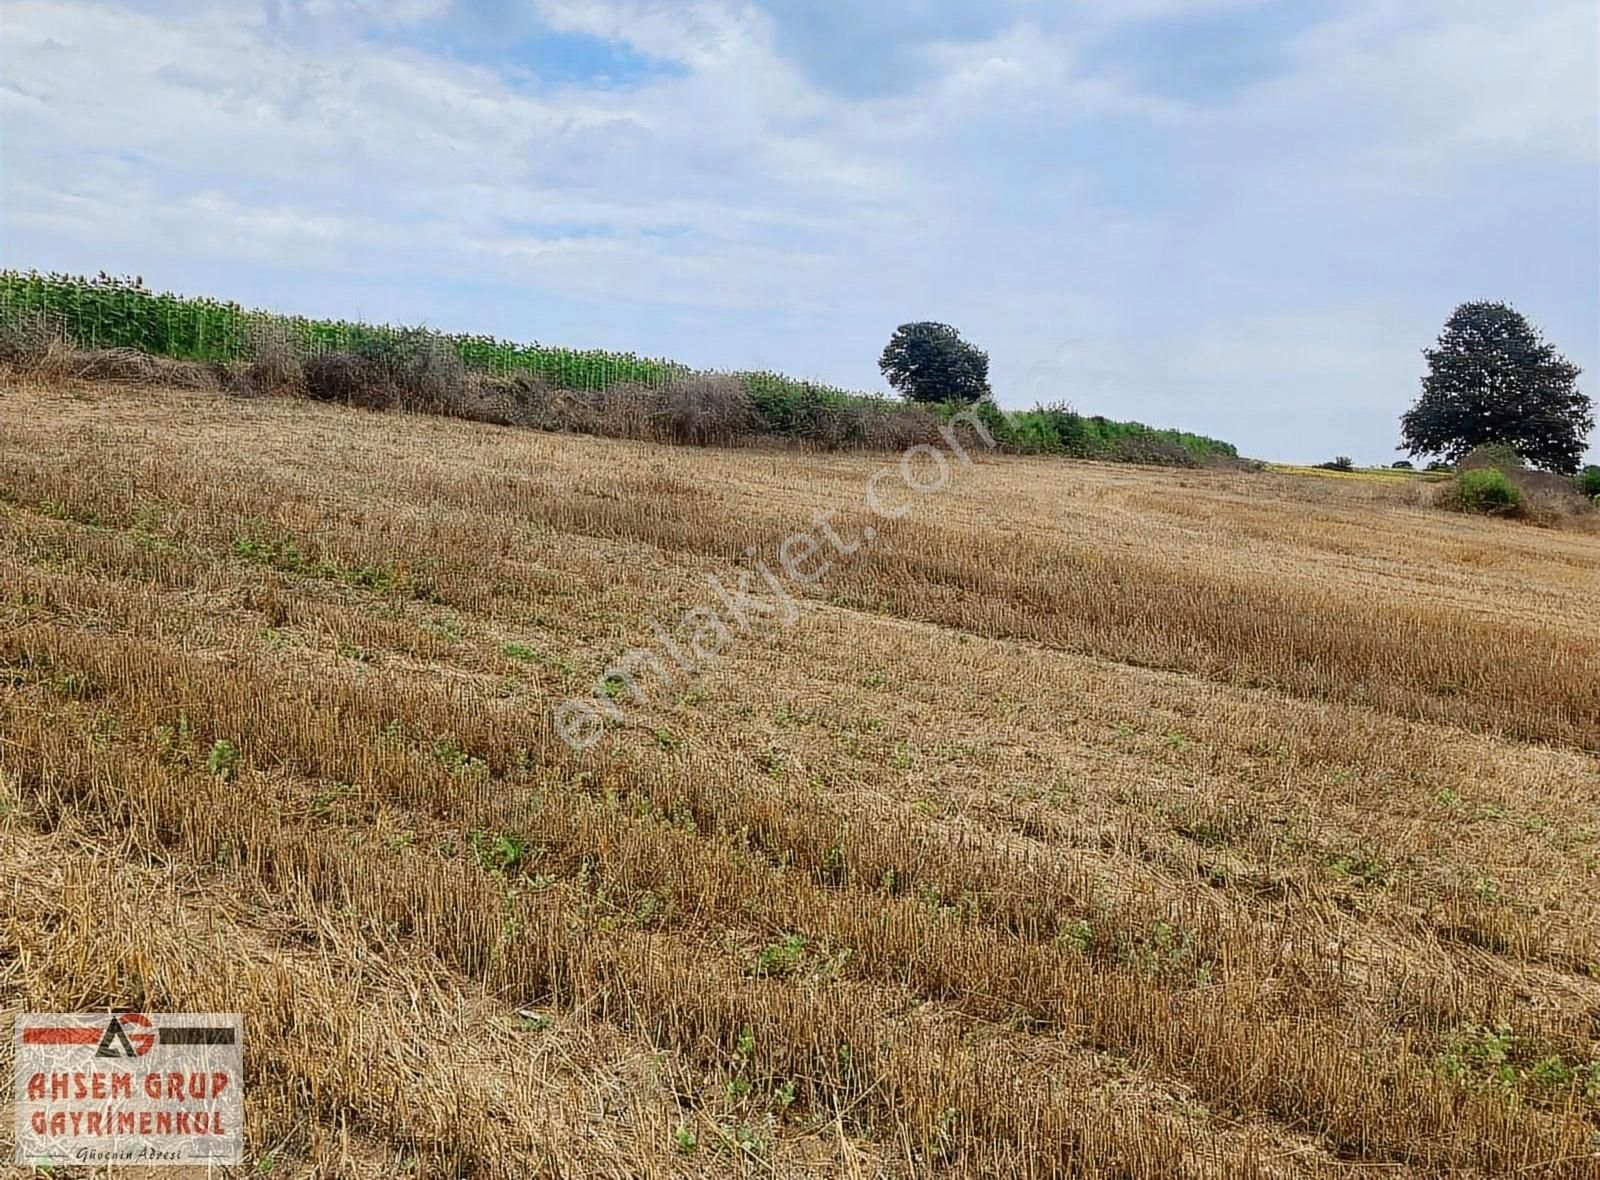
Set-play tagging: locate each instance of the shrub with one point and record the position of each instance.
(275, 369)
(703, 411)
(424, 371)
(1487, 490)
(895, 426)
(810, 416)
(347, 377)
(1341, 463)
(1589, 481)
(408, 369)
(1542, 497)
(1052, 429)
(520, 399)
(486, 399)
(1057, 429)
(623, 411)
(26, 338)
(786, 406)
(1151, 449)
(687, 408)
(844, 425)
(1546, 496)
(1403, 465)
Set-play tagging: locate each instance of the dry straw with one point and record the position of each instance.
(1101, 822)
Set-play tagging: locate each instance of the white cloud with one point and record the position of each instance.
(703, 34)
(1468, 77)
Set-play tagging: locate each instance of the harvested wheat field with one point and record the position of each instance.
(1088, 820)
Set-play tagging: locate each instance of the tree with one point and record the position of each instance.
(1493, 379)
(930, 362)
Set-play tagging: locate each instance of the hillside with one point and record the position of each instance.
(1087, 820)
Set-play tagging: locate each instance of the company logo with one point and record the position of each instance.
(116, 1041)
(129, 1088)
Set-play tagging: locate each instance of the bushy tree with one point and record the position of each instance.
(1493, 379)
(930, 362)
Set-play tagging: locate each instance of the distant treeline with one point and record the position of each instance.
(113, 312)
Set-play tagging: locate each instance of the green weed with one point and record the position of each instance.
(780, 958)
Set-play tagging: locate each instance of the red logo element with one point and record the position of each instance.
(111, 1041)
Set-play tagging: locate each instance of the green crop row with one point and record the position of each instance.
(107, 312)
(111, 312)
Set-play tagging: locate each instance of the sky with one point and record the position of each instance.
(1240, 217)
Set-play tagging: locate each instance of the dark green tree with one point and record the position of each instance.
(929, 362)
(1492, 378)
